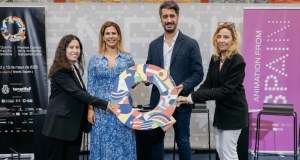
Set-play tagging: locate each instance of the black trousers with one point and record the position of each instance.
(64, 150)
(146, 142)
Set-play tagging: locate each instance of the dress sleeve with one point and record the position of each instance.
(130, 61)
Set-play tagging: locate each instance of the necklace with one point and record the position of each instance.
(221, 63)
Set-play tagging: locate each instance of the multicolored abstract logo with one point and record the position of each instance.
(13, 20)
(161, 115)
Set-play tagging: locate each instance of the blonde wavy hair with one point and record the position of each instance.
(235, 46)
(102, 44)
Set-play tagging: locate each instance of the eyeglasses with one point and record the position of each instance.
(226, 24)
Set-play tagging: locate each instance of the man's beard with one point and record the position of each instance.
(170, 30)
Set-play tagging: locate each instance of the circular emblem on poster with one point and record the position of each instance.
(13, 20)
(161, 115)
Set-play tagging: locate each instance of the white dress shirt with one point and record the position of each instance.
(168, 52)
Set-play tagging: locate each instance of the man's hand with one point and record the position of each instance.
(179, 88)
(135, 84)
(147, 83)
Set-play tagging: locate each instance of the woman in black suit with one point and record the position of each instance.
(66, 117)
(224, 84)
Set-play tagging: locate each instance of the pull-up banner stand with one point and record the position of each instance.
(23, 73)
(271, 50)
(23, 68)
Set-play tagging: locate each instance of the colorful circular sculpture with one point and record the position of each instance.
(13, 20)
(161, 115)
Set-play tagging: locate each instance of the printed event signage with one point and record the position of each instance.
(23, 65)
(23, 79)
(271, 51)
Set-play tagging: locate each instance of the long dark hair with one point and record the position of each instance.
(60, 60)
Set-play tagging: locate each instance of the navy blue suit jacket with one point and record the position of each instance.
(185, 67)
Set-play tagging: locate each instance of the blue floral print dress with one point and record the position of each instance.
(110, 139)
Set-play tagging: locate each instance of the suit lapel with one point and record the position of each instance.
(177, 46)
(161, 51)
(217, 73)
(222, 71)
(79, 79)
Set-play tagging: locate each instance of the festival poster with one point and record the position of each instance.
(23, 68)
(271, 51)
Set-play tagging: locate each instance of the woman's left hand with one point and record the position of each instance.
(181, 100)
(91, 116)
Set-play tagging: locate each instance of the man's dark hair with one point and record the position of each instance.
(169, 5)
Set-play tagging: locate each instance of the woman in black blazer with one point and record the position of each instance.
(224, 84)
(66, 117)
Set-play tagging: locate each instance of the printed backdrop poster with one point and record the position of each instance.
(23, 68)
(271, 49)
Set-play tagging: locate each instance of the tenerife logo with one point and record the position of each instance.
(5, 89)
(23, 89)
(8, 34)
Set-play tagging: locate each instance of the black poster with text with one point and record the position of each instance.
(23, 66)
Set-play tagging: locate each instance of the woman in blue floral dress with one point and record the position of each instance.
(110, 139)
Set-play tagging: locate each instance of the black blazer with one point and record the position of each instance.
(67, 110)
(226, 88)
(185, 67)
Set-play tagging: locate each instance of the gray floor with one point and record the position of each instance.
(205, 156)
(169, 156)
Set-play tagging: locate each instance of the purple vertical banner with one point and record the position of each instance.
(271, 50)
